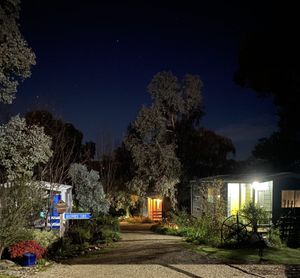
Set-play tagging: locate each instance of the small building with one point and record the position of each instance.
(155, 207)
(277, 193)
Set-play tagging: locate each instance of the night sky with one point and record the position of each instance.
(95, 60)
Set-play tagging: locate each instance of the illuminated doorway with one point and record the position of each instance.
(155, 209)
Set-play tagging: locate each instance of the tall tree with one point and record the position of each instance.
(203, 153)
(16, 58)
(21, 148)
(152, 138)
(269, 63)
(66, 145)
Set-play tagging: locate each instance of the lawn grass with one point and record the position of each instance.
(282, 255)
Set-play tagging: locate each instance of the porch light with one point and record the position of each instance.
(255, 185)
(260, 186)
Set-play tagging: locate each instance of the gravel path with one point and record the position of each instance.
(143, 254)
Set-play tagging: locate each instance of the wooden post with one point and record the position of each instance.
(61, 225)
(61, 208)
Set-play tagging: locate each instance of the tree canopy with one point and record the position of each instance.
(16, 58)
(66, 145)
(151, 138)
(165, 141)
(22, 147)
(269, 63)
(89, 192)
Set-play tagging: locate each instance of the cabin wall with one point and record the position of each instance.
(280, 184)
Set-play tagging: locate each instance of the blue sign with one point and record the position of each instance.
(78, 215)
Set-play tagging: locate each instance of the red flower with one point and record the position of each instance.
(29, 246)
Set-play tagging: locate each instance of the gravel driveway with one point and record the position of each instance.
(143, 254)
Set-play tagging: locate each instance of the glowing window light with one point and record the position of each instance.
(260, 186)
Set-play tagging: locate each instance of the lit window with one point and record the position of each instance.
(213, 194)
(210, 197)
(290, 198)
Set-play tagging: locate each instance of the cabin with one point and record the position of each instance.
(278, 193)
(155, 207)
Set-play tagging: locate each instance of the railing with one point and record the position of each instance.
(156, 215)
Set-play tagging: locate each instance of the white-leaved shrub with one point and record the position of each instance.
(89, 191)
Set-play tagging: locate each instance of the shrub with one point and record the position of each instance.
(108, 235)
(274, 238)
(255, 214)
(44, 238)
(205, 230)
(79, 234)
(64, 247)
(17, 250)
(182, 219)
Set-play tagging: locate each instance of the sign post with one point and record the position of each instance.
(61, 208)
(77, 215)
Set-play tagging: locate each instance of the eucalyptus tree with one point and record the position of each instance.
(152, 136)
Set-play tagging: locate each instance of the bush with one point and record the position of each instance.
(44, 238)
(64, 247)
(255, 214)
(79, 234)
(108, 236)
(182, 219)
(205, 230)
(17, 250)
(274, 238)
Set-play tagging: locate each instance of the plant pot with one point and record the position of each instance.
(28, 259)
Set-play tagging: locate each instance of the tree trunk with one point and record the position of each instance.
(1, 250)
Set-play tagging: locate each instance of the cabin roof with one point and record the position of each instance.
(249, 178)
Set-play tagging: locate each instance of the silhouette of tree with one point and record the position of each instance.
(269, 63)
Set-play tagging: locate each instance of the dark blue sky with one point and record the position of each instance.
(95, 60)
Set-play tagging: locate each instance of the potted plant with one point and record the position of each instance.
(26, 252)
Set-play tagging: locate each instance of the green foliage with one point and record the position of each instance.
(66, 145)
(108, 235)
(89, 192)
(44, 238)
(64, 247)
(182, 218)
(255, 214)
(151, 138)
(104, 228)
(19, 203)
(283, 255)
(98, 230)
(22, 147)
(16, 58)
(274, 238)
(202, 152)
(79, 234)
(205, 230)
